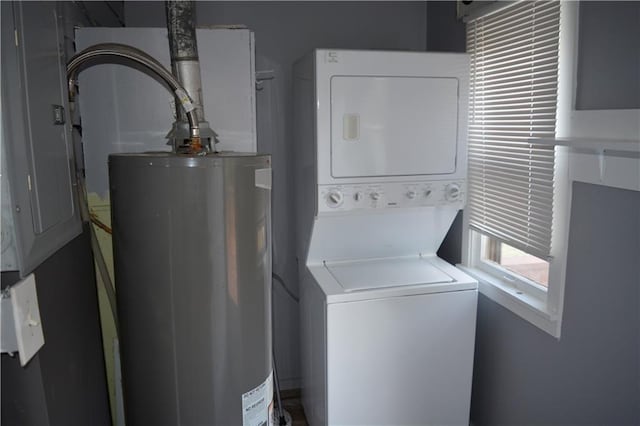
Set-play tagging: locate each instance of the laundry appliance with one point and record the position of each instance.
(387, 327)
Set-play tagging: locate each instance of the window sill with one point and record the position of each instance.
(526, 305)
(594, 144)
(613, 163)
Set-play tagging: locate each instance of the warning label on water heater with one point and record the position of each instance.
(257, 404)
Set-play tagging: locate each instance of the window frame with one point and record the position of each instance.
(519, 282)
(539, 307)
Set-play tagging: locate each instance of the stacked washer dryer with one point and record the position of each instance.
(387, 327)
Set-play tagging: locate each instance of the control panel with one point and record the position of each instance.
(374, 196)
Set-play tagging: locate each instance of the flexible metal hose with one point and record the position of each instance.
(142, 58)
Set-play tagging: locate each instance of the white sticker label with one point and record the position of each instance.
(184, 99)
(257, 404)
(263, 178)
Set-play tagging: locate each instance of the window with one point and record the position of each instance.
(515, 240)
(516, 261)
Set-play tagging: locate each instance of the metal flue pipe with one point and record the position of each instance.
(183, 49)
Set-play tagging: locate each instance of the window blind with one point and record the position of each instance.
(513, 93)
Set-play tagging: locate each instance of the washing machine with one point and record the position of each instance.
(387, 327)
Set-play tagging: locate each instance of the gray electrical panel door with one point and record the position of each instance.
(36, 133)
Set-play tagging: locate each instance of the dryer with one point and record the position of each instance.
(387, 327)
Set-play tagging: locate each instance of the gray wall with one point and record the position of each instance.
(609, 55)
(445, 33)
(592, 374)
(65, 382)
(284, 31)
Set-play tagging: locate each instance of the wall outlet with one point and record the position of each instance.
(26, 317)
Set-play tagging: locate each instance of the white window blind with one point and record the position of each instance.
(513, 93)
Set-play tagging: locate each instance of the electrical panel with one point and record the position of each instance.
(39, 200)
(8, 256)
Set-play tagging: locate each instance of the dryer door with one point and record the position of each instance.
(393, 126)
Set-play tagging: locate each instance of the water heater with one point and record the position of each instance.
(191, 241)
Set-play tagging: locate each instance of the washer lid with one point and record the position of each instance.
(383, 273)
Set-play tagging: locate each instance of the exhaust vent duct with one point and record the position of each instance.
(185, 65)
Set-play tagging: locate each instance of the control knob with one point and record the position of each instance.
(452, 192)
(334, 198)
(374, 196)
(411, 194)
(357, 196)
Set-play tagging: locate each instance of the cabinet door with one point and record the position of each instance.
(36, 131)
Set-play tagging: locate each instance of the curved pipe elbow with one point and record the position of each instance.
(75, 64)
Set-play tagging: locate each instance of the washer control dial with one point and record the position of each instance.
(411, 194)
(358, 196)
(334, 198)
(452, 191)
(374, 196)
